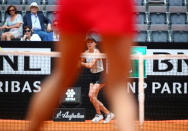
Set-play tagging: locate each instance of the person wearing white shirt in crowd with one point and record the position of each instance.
(36, 20)
(29, 36)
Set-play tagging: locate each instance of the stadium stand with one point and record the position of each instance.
(30, 1)
(51, 2)
(179, 33)
(178, 15)
(177, 2)
(141, 15)
(14, 2)
(159, 33)
(157, 15)
(50, 12)
(156, 2)
(142, 33)
(140, 2)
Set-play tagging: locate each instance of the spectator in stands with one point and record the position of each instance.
(13, 24)
(29, 36)
(37, 22)
(55, 33)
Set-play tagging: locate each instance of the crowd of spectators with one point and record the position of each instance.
(34, 26)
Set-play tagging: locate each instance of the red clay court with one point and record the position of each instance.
(170, 125)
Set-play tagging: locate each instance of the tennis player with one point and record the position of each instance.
(96, 83)
(114, 20)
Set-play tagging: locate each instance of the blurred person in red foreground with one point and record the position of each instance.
(114, 20)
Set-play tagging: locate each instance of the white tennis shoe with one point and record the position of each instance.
(109, 117)
(97, 118)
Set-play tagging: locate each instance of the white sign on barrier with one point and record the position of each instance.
(167, 67)
(19, 64)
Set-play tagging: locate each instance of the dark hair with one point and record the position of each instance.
(25, 27)
(7, 11)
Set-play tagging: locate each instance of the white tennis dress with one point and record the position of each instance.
(98, 67)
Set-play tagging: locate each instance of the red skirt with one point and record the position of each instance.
(104, 16)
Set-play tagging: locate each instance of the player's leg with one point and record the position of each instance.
(102, 107)
(92, 97)
(66, 70)
(123, 104)
(97, 88)
(109, 115)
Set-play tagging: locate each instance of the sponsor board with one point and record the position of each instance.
(29, 65)
(69, 114)
(73, 96)
(162, 87)
(165, 84)
(20, 86)
(167, 67)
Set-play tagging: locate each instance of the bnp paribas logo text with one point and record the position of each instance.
(70, 95)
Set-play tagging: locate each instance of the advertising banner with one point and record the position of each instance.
(166, 81)
(69, 114)
(72, 96)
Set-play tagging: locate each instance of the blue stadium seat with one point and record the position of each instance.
(180, 36)
(159, 36)
(14, 2)
(158, 18)
(50, 15)
(139, 2)
(179, 33)
(178, 18)
(30, 1)
(141, 33)
(176, 2)
(156, 2)
(141, 36)
(141, 18)
(178, 14)
(141, 14)
(51, 2)
(157, 14)
(159, 33)
(51, 11)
